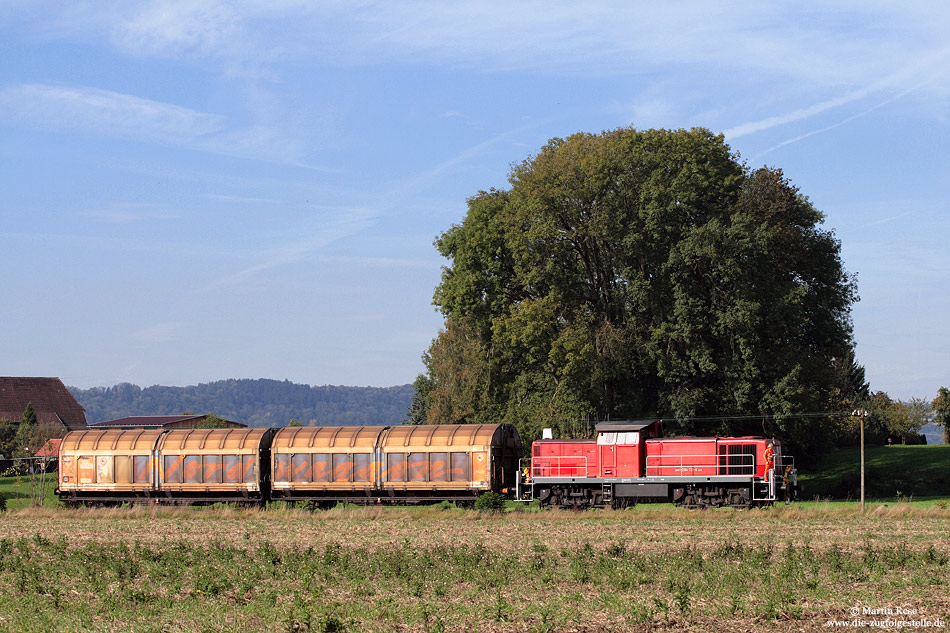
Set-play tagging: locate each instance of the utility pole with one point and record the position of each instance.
(861, 414)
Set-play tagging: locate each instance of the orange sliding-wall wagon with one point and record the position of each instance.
(325, 465)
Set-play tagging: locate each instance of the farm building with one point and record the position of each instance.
(55, 407)
(163, 422)
(49, 450)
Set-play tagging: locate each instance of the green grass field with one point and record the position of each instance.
(443, 569)
(18, 495)
(891, 473)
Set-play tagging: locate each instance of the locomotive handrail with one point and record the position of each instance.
(540, 466)
(723, 464)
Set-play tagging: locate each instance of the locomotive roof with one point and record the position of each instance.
(623, 425)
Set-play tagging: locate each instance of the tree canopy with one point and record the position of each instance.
(941, 408)
(639, 273)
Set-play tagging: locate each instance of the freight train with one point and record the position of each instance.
(627, 463)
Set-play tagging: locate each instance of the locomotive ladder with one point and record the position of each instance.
(607, 494)
(764, 490)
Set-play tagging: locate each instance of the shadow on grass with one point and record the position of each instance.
(891, 473)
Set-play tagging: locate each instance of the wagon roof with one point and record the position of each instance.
(387, 437)
(447, 435)
(327, 436)
(213, 439)
(110, 440)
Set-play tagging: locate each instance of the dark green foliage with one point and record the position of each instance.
(8, 431)
(212, 421)
(29, 415)
(941, 407)
(252, 402)
(490, 502)
(888, 422)
(636, 274)
(421, 400)
(28, 435)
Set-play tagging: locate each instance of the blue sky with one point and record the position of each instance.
(204, 190)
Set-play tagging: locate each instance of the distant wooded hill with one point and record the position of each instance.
(252, 402)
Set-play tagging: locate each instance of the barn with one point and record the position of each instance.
(164, 422)
(55, 407)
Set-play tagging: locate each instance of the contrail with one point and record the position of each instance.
(842, 122)
(938, 59)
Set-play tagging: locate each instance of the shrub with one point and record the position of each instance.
(490, 502)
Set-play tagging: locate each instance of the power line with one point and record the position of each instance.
(758, 417)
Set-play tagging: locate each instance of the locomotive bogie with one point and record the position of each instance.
(577, 495)
(693, 496)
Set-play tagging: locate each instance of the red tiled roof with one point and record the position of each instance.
(148, 420)
(51, 400)
(50, 449)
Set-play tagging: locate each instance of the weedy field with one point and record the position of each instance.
(443, 569)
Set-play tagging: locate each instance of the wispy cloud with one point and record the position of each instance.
(325, 230)
(129, 213)
(94, 111)
(931, 69)
(424, 179)
(388, 262)
(889, 219)
(838, 124)
(106, 112)
(159, 333)
(801, 46)
(180, 26)
(797, 115)
(243, 199)
(343, 223)
(593, 37)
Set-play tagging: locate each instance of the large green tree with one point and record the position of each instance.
(941, 408)
(29, 436)
(8, 431)
(634, 273)
(895, 420)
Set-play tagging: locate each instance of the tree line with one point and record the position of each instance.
(256, 403)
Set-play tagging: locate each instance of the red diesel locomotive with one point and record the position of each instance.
(631, 462)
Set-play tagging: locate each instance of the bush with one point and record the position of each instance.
(490, 502)
(3, 502)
